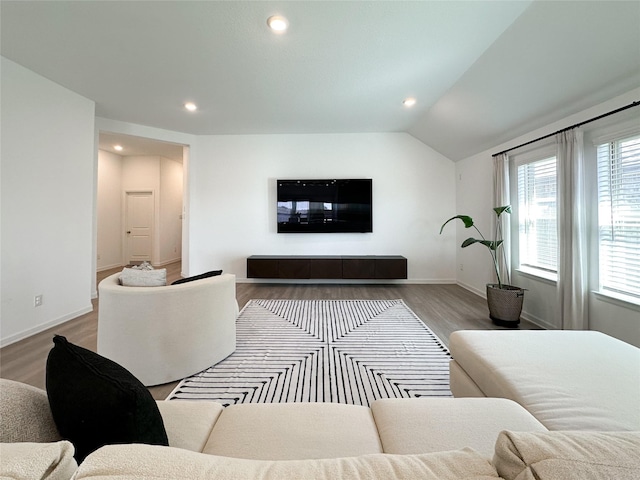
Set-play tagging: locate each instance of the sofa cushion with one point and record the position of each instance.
(294, 431)
(96, 402)
(461, 384)
(144, 462)
(133, 277)
(421, 425)
(566, 379)
(212, 273)
(44, 461)
(189, 424)
(568, 455)
(25, 414)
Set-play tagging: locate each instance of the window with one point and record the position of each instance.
(537, 217)
(619, 216)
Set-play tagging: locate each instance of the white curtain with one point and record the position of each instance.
(572, 232)
(502, 197)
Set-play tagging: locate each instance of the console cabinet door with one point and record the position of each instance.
(326, 268)
(293, 268)
(358, 267)
(391, 268)
(262, 268)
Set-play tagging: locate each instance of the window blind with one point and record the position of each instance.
(537, 200)
(537, 187)
(619, 215)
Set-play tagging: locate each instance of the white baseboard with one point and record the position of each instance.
(109, 267)
(537, 321)
(431, 281)
(167, 262)
(480, 293)
(42, 327)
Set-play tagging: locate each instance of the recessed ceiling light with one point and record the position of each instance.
(409, 102)
(118, 147)
(192, 107)
(277, 23)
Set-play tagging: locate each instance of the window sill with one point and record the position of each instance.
(624, 301)
(546, 277)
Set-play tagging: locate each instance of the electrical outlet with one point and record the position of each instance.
(37, 300)
(461, 267)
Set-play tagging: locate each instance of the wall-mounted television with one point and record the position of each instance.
(325, 206)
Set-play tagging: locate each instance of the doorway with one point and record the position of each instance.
(140, 198)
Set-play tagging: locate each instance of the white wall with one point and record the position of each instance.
(48, 171)
(233, 203)
(170, 227)
(474, 197)
(109, 211)
(474, 191)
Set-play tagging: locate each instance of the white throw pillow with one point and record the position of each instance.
(132, 277)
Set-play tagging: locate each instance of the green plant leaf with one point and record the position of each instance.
(500, 210)
(467, 220)
(470, 241)
(490, 244)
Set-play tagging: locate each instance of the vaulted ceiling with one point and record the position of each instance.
(482, 72)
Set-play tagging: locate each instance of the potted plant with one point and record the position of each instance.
(504, 300)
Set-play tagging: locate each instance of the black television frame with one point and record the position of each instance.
(338, 205)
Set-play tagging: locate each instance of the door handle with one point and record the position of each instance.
(128, 232)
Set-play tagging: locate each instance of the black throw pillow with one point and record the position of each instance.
(96, 402)
(212, 273)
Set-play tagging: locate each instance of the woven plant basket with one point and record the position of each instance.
(505, 304)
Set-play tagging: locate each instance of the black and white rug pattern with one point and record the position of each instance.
(343, 351)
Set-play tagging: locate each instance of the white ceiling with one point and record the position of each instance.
(483, 72)
(137, 146)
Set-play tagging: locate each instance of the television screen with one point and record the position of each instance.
(324, 206)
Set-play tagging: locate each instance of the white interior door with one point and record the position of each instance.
(139, 226)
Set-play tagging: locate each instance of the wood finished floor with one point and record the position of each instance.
(443, 308)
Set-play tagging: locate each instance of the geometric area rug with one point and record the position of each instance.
(342, 351)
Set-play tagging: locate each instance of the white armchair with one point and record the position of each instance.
(162, 334)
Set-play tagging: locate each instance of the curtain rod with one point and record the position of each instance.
(631, 105)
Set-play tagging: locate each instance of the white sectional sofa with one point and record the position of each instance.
(427, 438)
(568, 380)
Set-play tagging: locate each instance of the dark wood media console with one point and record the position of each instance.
(387, 267)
